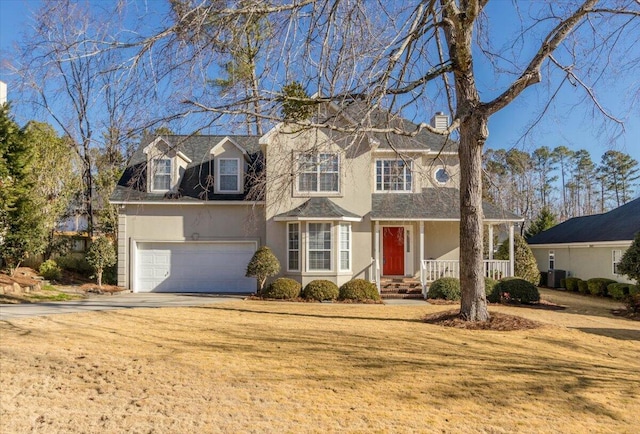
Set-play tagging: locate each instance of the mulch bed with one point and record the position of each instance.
(498, 322)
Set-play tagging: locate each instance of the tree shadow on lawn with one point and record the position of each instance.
(622, 334)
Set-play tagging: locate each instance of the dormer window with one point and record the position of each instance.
(161, 174)
(228, 175)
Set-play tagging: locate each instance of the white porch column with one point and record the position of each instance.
(490, 242)
(376, 253)
(421, 243)
(511, 253)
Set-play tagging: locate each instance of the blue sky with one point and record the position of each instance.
(562, 125)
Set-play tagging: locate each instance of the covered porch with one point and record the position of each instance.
(422, 243)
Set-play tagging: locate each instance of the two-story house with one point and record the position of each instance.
(331, 203)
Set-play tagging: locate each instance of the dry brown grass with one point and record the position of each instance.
(288, 367)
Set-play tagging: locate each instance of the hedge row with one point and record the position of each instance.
(600, 286)
(287, 289)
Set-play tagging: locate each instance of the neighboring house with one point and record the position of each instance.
(589, 246)
(331, 205)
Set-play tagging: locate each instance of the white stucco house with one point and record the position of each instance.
(331, 205)
(589, 246)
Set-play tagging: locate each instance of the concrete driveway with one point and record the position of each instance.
(112, 302)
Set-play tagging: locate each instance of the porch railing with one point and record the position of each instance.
(431, 270)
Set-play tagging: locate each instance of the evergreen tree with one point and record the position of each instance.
(545, 220)
(525, 266)
(629, 264)
(619, 171)
(22, 230)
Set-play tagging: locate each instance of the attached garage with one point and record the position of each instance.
(193, 267)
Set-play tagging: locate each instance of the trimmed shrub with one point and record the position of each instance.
(514, 289)
(571, 283)
(525, 265)
(321, 290)
(563, 283)
(489, 288)
(49, 270)
(583, 287)
(283, 288)
(359, 290)
(447, 288)
(598, 285)
(263, 264)
(620, 290)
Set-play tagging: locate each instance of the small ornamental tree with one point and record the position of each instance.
(101, 255)
(525, 266)
(629, 264)
(263, 264)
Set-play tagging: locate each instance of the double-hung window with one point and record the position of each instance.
(552, 259)
(161, 180)
(393, 175)
(616, 256)
(319, 246)
(318, 173)
(228, 175)
(293, 246)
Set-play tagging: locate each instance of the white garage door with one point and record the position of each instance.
(194, 267)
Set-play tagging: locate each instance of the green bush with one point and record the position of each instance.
(263, 264)
(359, 290)
(598, 285)
(101, 254)
(583, 287)
(620, 290)
(563, 283)
(447, 288)
(321, 290)
(632, 302)
(629, 264)
(514, 289)
(489, 288)
(525, 265)
(49, 270)
(75, 264)
(571, 283)
(283, 288)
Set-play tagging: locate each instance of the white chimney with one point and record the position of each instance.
(3, 92)
(440, 121)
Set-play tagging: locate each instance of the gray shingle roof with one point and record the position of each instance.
(318, 207)
(431, 204)
(198, 174)
(620, 224)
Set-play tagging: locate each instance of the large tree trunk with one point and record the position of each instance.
(473, 132)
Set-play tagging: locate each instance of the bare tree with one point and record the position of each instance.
(68, 69)
(416, 55)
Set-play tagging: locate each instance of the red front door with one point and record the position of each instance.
(393, 251)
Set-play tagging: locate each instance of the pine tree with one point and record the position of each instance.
(545, 220)
(526, 266)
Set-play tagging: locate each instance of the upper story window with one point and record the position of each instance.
(318, 173)
(441, 176)
(161, 169)
(228, 175)
(393, 175)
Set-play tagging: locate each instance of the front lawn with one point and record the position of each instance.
(250, 366)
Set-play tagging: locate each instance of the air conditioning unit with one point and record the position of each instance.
(554, 277)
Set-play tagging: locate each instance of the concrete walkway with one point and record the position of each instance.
(112, 302)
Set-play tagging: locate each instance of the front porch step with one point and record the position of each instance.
(398, 288)
(401, 296)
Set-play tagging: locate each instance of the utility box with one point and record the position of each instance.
(554, 277)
